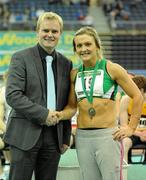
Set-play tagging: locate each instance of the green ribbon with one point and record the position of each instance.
(90, 96)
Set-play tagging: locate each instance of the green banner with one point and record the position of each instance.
(11, 42)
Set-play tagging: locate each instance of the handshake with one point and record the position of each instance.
(54, 117)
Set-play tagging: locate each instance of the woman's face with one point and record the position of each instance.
(86, 48)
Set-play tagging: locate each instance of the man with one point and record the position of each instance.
(35, 144)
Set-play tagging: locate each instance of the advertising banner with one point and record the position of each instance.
(13, 41)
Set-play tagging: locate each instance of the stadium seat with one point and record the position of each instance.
(142, 154)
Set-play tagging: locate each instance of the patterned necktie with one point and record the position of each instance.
(51, 96)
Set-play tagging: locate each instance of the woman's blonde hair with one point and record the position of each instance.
(91, 32)
(49, 16)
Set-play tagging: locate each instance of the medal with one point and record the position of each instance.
(89, 96)
(91, 112)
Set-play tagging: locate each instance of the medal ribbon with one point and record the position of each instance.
(90, 96)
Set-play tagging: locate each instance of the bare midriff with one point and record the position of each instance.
(105, 116)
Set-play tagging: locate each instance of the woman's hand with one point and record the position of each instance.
(122, 132)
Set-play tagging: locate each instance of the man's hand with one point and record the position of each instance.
(64, 148)
(59, 115)
(122, 132)
(52, 118)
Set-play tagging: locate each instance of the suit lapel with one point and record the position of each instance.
(39, 67)
(59, 77)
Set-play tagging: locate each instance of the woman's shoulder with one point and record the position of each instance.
(115, 70)
(74, 72)
(113, 65)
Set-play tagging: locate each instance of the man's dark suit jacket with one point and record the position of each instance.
(25, 93)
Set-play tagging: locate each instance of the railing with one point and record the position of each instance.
(132, 25)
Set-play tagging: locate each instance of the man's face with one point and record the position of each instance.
(49, 34)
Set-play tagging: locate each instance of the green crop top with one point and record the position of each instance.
(104, 86)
